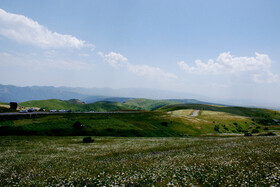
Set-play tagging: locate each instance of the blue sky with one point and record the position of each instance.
(221, 48)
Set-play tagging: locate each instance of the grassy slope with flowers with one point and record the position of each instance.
(66, 161)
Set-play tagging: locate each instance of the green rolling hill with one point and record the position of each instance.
(155, 118)
(53, 104)
(101, 106)
(149, 104)
(76, 105)
(240, 111)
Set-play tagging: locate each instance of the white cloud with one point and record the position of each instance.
(150, 72)
(201, 67)
(117, 60)
(114, 59)
(257, 67)
(265, 76)
(25, 30)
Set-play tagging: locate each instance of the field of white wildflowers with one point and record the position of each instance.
(109, 161)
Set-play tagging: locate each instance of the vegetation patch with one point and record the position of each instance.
(111, 161)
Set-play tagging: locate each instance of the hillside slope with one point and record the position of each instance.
(53, 104)
(241, 111)
(76, 105)
(149, 104)
(101, 106)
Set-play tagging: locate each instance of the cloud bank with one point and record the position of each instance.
(118, 60)
(258, 67)
(25, 30)
(114, 59)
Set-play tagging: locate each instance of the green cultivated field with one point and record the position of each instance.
(111, 161)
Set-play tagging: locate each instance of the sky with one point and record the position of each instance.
(223, 49)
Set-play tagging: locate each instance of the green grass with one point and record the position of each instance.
(6, 109)
(148, 104)
(212, 119)
(102, 106)
(220, 119)
(75, 105)
(113, 124)
(111, 161)
(52, 104)
(240, 111)
(147, 124)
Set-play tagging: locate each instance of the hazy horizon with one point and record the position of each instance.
(227, 50)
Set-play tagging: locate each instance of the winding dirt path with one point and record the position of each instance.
(195, 113)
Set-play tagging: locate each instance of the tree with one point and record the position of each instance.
(77, 125)
(13, 105)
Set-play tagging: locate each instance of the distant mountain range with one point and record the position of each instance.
(10, 93)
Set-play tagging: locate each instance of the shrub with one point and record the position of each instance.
(247, 134)
(270, 134)
(217, 128)
(266, 128)
(255, 131)
(88, 140)
(13, 105)
(77, 125)
(239, 128)
(225, 127)
(234, 131)
(164, 123)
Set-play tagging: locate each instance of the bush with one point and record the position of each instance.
(266, 128)
(268, 134)
(217, 128)
(77, 125)
(255, 131)
(225, 127)
(88, 140)
(247, 134)
(164, 123)
(13, 105)
(239, 128)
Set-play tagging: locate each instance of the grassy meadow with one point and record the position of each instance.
(177, 123)
(164, 147)
(166, 121)
(123, 161)
(100, 106)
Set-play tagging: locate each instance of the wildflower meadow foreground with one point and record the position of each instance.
(110, 161)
